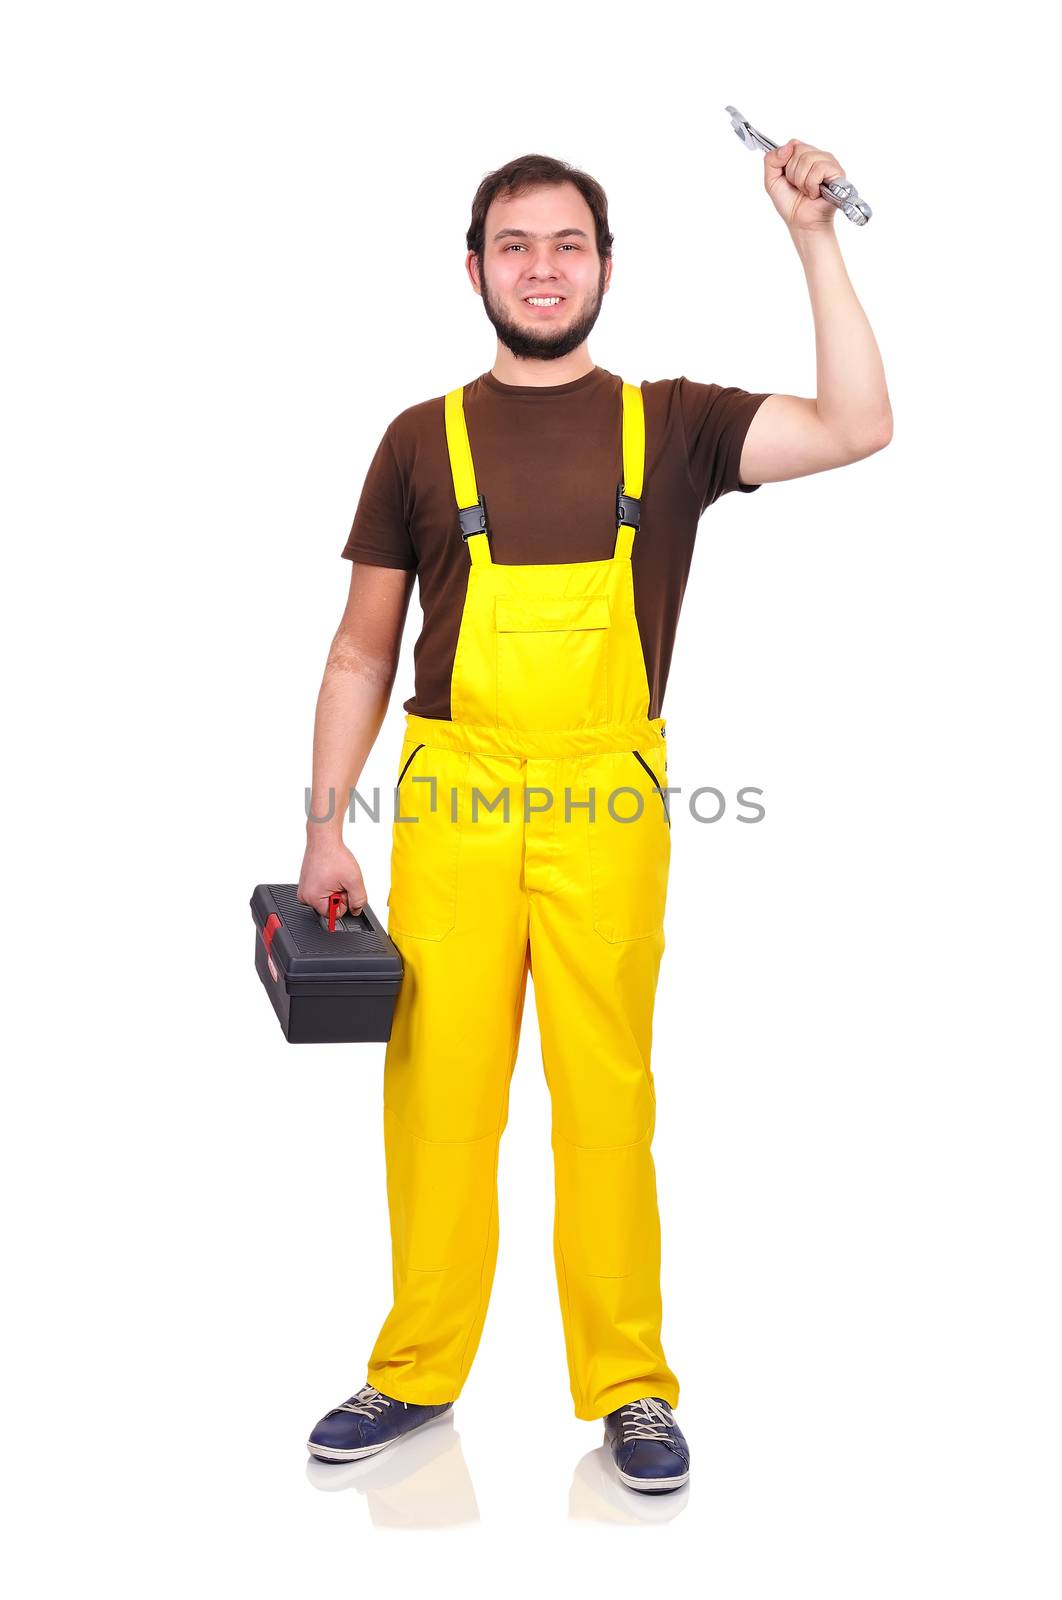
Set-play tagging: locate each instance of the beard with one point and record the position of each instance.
(551, 343)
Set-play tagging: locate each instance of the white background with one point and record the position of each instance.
(234, 252)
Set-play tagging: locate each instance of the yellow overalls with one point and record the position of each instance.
(550, 702)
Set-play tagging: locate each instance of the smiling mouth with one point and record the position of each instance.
(544, 302)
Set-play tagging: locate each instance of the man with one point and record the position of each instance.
(549, 511)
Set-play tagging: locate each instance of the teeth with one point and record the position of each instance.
(554, 300)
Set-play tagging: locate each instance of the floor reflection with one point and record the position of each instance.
(420, 1482)
(598, 1495)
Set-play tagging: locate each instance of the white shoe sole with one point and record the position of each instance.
(653, 1485)
(323, 1452)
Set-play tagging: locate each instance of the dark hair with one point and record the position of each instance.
(530, 172)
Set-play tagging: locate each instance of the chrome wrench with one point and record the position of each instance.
(841, 193)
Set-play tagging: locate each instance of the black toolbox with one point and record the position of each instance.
(332, 980)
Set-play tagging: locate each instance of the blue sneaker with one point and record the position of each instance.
(367, 1422)
(648, 1446)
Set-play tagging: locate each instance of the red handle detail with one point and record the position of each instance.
(272, 924)
(333, 906)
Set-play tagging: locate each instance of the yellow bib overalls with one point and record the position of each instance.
(524, 858)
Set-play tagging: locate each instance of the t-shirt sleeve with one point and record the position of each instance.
(379, 534)
(716, 420)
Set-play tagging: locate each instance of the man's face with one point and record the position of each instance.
(541, 246)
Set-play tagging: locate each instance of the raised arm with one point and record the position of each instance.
(850, 416)
(351, 705)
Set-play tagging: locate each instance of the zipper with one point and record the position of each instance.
(652, 774)
(405, 769)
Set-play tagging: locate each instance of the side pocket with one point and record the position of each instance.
(656, 782)
(426, 840)
(629, 860)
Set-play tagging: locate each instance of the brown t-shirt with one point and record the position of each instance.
(548, 462)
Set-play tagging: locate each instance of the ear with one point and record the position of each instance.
(472, 268)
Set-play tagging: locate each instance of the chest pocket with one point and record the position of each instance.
(552, 657)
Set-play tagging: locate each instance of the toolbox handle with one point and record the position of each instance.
(333, 906)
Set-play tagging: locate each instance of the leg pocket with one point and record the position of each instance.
(629, 859)
(432, 787)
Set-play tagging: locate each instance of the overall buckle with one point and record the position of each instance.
(628, 509)
(473, 519)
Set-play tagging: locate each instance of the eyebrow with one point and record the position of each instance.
(522, 233)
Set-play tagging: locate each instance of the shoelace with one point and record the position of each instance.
(366, 1402)
(644, 1419)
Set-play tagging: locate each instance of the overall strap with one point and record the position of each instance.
(471, 506)
(629, 493)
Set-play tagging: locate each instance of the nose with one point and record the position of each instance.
(541, 267)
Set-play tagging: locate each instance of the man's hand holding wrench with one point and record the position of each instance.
(808, 185)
